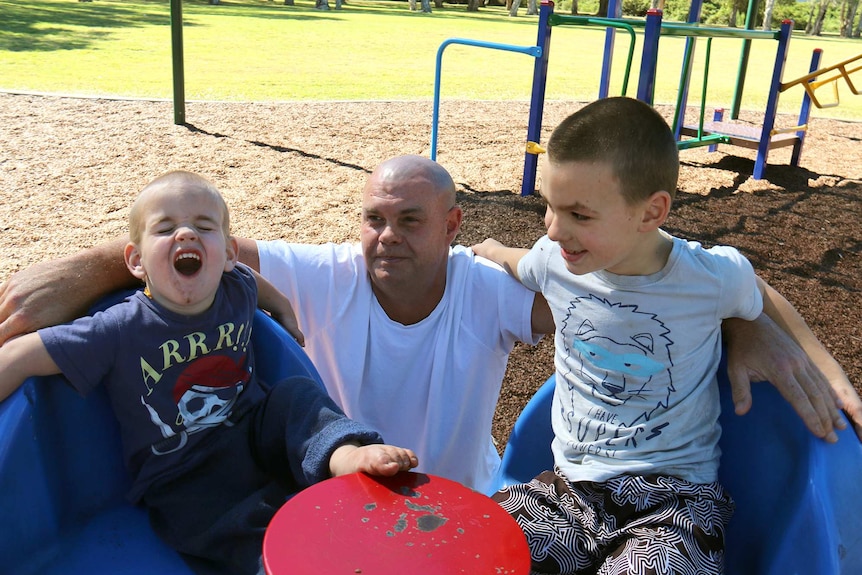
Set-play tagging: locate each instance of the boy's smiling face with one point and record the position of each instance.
(589, 218)
(184, 249)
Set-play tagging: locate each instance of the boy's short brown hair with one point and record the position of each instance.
(627, 134)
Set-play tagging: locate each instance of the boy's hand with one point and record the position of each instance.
(287, 319)
(376, 459)
(485, 248)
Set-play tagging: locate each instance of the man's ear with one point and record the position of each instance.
(453, 222)
(232, 253)
(132, 256)
(656, 210)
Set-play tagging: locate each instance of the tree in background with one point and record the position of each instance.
(426, 5)
(848, 14)
(532, 7)
(816, 28)
(768, 8)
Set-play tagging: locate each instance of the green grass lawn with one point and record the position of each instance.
(261, 50)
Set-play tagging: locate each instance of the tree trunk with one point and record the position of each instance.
(426, 6)
(857, 32)
(810, 19)
(472, 5)
(603, 8)
(513, 8)
(532, 8)
(767, 14)
(288, 2)
(731, 19)
(321, 4)
(574, 7)
(847, 20)
(412, 5)
(338, 4)
(438, 4)
(817, 28)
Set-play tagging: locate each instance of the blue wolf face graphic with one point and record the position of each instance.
(625, 360)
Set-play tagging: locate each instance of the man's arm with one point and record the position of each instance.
(248, 253)
(278, 306)
(780, 348)
(58, 291)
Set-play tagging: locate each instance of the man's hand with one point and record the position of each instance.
(58, 291)
(761, 351)
(37, 297)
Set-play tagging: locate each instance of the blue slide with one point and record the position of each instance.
(62, 481)
(63, 484)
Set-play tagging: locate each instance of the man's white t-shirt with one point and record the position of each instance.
(431, 386)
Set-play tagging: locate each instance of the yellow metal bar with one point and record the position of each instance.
(801, 128)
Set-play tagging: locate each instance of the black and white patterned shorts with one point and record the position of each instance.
(655, 524)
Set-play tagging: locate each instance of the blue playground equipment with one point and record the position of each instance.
(63, 483)
(720, 130)
(797, 497)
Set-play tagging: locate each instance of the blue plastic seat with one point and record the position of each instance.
(63, 484)
(798, 502)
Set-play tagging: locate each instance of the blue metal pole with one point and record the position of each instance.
(649, 60)
(537, 99)
(533, 51)
(805, 109)
(772, 101)
(615, 10)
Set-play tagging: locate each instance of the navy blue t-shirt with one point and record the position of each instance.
(171, 379)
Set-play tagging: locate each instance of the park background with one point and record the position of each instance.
(289, 108)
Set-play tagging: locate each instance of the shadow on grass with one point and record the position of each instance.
(47, 26)
(39, 26)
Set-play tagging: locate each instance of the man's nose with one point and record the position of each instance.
(389, 234)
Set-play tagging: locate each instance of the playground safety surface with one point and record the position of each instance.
(69, 169)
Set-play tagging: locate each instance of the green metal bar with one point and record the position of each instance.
(704, 141)
(627, 25)
(675, 29)
(177, 57)
(684, 75)
(703, 90)
(750, 21)
(566, 19)
(667, 28)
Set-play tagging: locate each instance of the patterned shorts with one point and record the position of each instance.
(641, 525)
